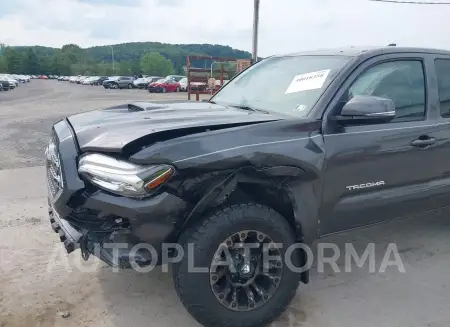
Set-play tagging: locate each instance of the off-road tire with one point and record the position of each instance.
(194, 289)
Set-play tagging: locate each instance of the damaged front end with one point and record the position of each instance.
(106, 206)
(123, 182)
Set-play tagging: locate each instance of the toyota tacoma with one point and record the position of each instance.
(293, 148)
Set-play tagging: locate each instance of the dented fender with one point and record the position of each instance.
(300, 192)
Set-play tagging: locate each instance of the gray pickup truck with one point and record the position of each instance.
(294, 148)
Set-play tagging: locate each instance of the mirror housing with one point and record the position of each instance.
(367, 109)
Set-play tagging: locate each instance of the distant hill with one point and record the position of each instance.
(133, 51)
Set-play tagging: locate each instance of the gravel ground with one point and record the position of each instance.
(39, 282)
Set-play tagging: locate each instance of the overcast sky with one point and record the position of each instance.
(285, 25)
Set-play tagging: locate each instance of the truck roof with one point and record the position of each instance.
(370, 51)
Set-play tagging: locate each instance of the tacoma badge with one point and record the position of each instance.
(364, 185)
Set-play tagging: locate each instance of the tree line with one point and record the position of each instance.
(150, 58)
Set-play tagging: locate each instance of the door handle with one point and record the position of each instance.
(423, 142)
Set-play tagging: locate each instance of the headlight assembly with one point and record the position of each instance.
(121, 177)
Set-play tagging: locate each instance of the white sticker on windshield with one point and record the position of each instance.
(310, 81)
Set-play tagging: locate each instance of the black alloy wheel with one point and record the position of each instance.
(245, 280)
(240, 278)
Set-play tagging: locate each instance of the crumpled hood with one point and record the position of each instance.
(109, 130)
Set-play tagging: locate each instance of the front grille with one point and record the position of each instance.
(54, 171)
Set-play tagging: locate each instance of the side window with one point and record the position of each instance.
(443, 80)
(401, 81)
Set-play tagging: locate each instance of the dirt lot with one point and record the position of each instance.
(38, 280)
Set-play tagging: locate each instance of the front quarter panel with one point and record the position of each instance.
(287, 143)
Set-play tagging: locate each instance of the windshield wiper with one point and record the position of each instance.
(244, 107)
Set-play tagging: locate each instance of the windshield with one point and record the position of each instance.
(288, 85)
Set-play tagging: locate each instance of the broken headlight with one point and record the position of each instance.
(121, 177)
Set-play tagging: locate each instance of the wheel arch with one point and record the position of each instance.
(283, 188)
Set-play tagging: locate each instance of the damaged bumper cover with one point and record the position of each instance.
(67, 234)
(99, 223)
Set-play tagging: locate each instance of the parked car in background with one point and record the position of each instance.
(43, 77)
(99, 80)
(21, 78)
(183, 84)
(12, 83)
(4, 83)
(73, 79)
(89, 80)
(175, 77)
(12, 80)
(81, 79)
(86, 80)
(119, 82)
(139, 82)
(164, 85)
(142, 83)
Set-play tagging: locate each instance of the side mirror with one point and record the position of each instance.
(367, 109)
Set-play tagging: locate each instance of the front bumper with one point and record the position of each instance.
(91, 219)
(68, 235)
(155, 89)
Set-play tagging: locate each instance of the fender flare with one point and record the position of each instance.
(306, 210)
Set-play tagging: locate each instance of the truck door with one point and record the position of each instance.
(377, 172)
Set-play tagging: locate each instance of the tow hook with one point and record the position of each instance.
(86, 247)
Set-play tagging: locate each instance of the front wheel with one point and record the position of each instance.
(163, 90)
(178, 89)
(130, 86)
(245, 281)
